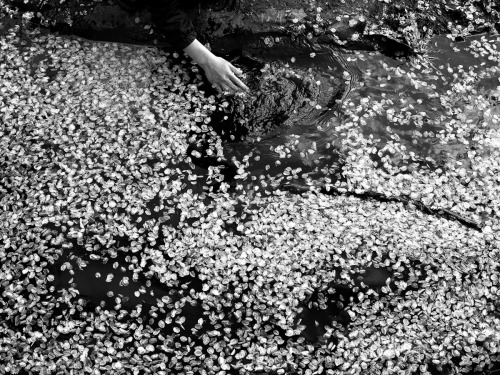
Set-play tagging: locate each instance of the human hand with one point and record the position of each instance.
(223, 75)
(219, 72)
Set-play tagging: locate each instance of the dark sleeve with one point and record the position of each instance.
(174, 25)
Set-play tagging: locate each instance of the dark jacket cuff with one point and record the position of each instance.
(185, 40)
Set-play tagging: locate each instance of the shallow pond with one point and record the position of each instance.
(114, 229)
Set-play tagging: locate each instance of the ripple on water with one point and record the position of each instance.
(409, 109)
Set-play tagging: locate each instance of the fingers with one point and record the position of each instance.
(217, 88)
(235, 70)
(224, 88)
(240, 85)
(224, 79)
(230, 86)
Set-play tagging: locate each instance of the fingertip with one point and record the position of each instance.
(239, 83)
(236, 70)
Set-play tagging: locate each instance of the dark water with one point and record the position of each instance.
(310, 108)
(408, 90)
(309, 112)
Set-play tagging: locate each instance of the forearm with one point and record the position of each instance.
(199, 53)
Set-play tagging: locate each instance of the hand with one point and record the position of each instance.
(220, 72)
(223, 75)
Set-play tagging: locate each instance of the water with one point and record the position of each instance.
(317, 116)
(374, 79)
(314, 126)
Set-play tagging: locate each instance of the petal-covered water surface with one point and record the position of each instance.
(341, 218)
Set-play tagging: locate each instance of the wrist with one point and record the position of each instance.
(199, 53)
